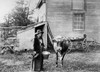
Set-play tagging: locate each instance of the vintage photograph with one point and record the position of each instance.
(49, 35)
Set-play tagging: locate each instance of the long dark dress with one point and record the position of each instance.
(38, 62)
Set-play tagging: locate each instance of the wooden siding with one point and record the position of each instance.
(92, 23)
(26, 37)
(59, 16)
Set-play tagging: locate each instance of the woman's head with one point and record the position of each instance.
(39, 33)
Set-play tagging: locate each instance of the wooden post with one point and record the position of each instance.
(46, 35)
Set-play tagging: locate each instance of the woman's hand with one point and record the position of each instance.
(34, 52)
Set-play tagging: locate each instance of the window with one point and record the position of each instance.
(78, 21)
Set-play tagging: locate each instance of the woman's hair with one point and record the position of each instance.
(35, 35)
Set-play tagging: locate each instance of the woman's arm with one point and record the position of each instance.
(34, 45)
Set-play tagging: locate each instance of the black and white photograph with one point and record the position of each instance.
(49, 35)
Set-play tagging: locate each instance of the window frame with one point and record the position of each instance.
(78, 27)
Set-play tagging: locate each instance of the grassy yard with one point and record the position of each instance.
(73, 62)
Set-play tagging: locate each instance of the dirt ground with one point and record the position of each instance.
(73, 62)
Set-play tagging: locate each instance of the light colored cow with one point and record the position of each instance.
(61, 47)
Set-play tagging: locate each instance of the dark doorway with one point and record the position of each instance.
(41, 27)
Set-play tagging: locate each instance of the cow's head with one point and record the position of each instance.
(56, 43)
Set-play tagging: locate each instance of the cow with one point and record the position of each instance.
(61, 47)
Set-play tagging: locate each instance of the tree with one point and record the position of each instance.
(20, 14)
(18, 17)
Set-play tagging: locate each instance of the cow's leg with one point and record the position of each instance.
(63, 58)
(57, 59)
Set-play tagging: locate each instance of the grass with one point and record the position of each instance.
(75, 61)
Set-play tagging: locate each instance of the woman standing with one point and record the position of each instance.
(38, 48)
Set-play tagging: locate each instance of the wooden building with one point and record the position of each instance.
(73, 18)
(68, 18)
(25, 37)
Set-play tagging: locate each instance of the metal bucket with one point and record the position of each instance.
(46, 54)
